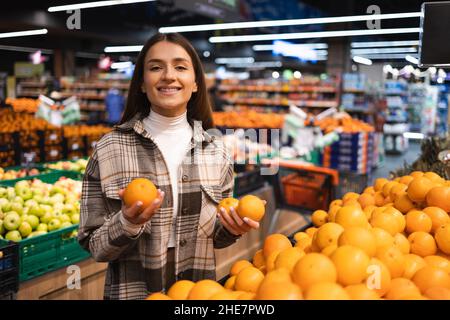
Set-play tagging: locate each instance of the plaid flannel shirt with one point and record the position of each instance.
(137, 265)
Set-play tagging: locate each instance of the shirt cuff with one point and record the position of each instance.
(130, 228)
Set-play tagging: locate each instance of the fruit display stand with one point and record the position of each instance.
(9, 270)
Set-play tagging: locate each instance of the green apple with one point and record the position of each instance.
(69, 209)
(75, 218)
(19, 200)
(64, 218)
(24, 192)
(11, 221)
(36, 233)
(10, 193)
(2, 227)
(33, 221)
(59, 206)
(71, 198)
(25, 211)
(2, 192)
(17, 207)
(30, 203)
(38, 198)
(1, 237)
(46, 208)
(13, 235)
(57, 198)
(47, 217)
(22, 184)
(6, 205)
(65, 224)
(37, 192)
(42, 227)
(46, 200)
(57, 190)
(54, 224)
(36, 210)
(25, 229)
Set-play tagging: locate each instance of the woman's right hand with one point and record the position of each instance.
(134, 213)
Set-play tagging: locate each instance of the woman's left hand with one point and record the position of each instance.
(235, 224)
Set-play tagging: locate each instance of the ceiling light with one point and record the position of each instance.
(23, 33)
(275, 74)
(206, 54)
(288, 22)
(412, 59)
(234, 60)
(362, 60)
(95, 4)
(384, 56)
(121, 65)
(297, 74)
(25, 49)
(259, 64)
(269, 47)
(312, 35)
(383, 50)
(124, 49)
(375, 44)
(414, 135)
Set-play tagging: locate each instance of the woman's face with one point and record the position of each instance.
(169, 78)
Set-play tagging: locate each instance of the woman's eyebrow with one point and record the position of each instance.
(162, 61)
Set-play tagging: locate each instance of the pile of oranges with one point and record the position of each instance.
(346, 124)
(248, 119)
(390, 242)
(23, 104)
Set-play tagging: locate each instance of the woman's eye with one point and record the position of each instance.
(181, 68)
(155, 68)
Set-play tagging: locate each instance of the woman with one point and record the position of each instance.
(162, 136)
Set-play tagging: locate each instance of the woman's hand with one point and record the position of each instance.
(135, 214)
(234, 223)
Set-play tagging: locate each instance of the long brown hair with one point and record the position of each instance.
(199, 106)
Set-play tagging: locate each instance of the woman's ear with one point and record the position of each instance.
(142, 88)
(195, 88)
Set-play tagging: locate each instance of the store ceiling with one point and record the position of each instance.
(134, 23)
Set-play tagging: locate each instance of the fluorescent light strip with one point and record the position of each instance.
(269, 47)
(234, 60)
(289, 22)
(312, 35)
(383, 50)
(23, 33)
(384, 56)
(123, 49)
(259, 64)
(121, 65)
(362, 60)
(375, 44)
(95, 4)
(25, 49)
(414, 135)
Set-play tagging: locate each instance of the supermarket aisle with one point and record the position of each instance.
(393, 162)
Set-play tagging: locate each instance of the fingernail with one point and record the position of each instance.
(245, 219)
(157, 201)
(139, 203)
(218, 215)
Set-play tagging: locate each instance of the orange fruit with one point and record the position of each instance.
(237, 294)
(270, 260)
(279, 291)
(413, 263)
(361, 292)
(397, 190)
(416, 174)
(352, 202)
(434, 177)
(140, 189)
(385, 221)
(301, 236)
(379, 184)
(229, 284)
(275, 242)
(277, 275)
(369, 190)
(238, 266)
(204, 289)
(438, 217)
(402, 243)
(258, 259)
(422, 244)
(311, 231)
(438, 262)
(403, 203)
(249, 279)
(351, 216)
(337, 202)
(366, 200)
(442, 237)
(394, 260)
(351, 264)
(438, 293)
(252, 207)
(359, 237)
(350, 195)
(313, 268)
(288, 258)
(327, 235)
(329, 250)
(439, 197)
(418, 189)
(406, 180)
(379, 277)
(430, 277)
(319, 217)
(326, 291)
(418, 221)
(368, 211)
(247, 296)
(400, 288)
(303, 244)
(379, 199)
(399, 216)
(332, 213)
(180, 289)
(223, 295)
(382, 238)
(228, 203)
(158, 296)
(388, 187)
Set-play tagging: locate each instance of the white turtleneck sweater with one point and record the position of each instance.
(172, 135)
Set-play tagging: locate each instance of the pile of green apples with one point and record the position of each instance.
(32, 207)
(78, 166)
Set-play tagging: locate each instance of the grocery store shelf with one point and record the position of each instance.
(293, 89)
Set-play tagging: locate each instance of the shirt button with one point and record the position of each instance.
(185, 178)
(183, 242)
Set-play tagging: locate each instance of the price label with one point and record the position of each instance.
(75, 146)
(53, 136)
(54, 153)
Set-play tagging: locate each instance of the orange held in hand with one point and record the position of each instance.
(228, 203)
(251, 207)
(140, 189)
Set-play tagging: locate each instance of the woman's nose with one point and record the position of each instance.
(169, 73)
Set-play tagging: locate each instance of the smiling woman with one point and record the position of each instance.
(162, 137)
